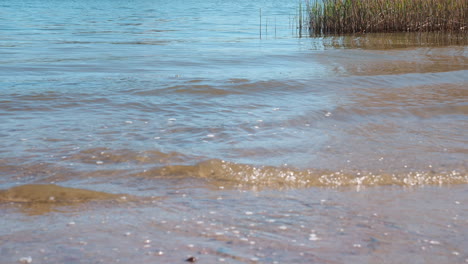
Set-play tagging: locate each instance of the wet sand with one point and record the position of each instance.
(386, 224)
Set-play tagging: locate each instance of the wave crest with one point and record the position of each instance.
(223, 172)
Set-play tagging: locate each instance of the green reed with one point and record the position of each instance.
(352, 16)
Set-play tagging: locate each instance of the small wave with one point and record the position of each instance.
(103, 155)
(38, 199)
(50, 193)
(142, 42)
(225, 88)
(223, 173)
(48, 101)
(190, 88)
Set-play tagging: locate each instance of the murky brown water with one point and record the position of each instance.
(154, 132)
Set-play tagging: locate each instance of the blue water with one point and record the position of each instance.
(159, 38)
(229, 135)
(222, 79)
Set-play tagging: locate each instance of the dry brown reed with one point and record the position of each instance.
(352, 16)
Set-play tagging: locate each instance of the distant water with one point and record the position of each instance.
(228, 136)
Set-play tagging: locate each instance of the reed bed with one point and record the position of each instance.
(352, 16)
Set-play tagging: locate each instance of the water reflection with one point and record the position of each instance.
(384, 41)
(248, 141)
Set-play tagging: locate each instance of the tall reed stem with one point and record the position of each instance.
(352, 16)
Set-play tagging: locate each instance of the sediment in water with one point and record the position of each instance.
(50, 193)
(235, 174)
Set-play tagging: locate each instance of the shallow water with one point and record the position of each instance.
(202, 137)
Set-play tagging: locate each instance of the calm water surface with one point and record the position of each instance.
(195, 128)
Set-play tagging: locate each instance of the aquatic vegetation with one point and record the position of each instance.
(352, 16)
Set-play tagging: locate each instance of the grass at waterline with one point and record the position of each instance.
(352, 16)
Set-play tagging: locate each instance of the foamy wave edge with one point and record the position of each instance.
(230, 173)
